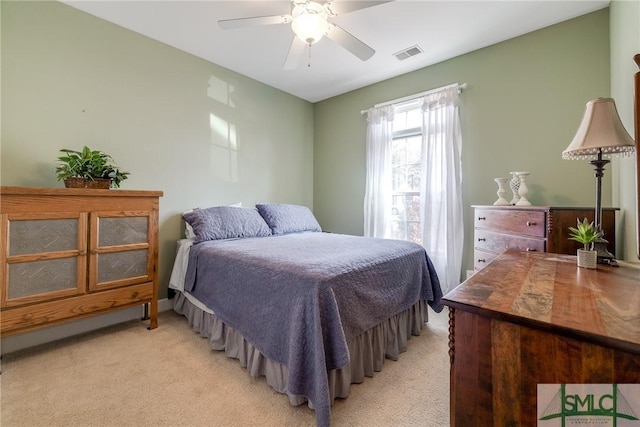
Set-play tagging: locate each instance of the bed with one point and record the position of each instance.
(311, 311)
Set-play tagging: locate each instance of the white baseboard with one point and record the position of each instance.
(53, 333)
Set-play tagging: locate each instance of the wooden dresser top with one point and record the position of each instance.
(548, 291)
(61, 191)
(539, 208)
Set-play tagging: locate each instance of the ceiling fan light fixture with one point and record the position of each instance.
(309, 22)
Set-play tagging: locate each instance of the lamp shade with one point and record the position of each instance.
(309, 22)
(601, 129)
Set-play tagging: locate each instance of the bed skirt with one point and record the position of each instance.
(367, 351)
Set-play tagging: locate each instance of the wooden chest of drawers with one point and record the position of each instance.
(531, 228)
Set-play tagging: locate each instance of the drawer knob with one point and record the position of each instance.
(482, 239)
(531, 223)
(482, 260)
(482, 218)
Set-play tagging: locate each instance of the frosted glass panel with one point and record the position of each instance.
(42, 235)
(123, 230)
(122, 265)
(38, 277)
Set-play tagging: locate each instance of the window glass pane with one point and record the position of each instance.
(406, 162)
(414, 163)
(405, 217)
(398, 164)
(414, 119)
(399, 121)
(413, 232)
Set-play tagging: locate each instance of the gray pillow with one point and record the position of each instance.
(226, 222)
(284, 219)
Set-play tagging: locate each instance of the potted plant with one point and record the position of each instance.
(585, 233)
(88, 169)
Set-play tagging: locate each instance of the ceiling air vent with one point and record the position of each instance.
(408, 52)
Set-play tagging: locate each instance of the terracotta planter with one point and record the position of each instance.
(587, 259)
(100, 183)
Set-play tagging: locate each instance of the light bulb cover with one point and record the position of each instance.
(309, 22)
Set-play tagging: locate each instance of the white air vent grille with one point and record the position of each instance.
(408, 52)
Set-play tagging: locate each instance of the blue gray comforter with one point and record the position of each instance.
(299, 297)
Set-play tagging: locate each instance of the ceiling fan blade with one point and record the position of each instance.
(229, 24)
(349, 42)
(341, 7)
(295, 52)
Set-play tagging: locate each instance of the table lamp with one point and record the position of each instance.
(601, 134)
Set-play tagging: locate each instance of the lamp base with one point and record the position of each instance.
(604, 256)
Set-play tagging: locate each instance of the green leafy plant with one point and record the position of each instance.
(585, 233)
(89, 164)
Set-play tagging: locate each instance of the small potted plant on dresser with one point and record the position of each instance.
(585, 233)
(88, 169)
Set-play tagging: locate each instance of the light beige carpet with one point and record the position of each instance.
(126, 375)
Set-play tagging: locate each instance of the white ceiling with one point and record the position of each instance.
(443, 29)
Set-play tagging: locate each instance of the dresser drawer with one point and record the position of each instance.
(530, 223)
(498, 242)
(482, 258)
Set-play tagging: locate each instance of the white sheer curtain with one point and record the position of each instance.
(441, 188)
(377, 194)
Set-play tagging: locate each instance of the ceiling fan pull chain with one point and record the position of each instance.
(309, 57)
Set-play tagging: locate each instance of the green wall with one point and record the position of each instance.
(200, 133)
(625, 43)
(524, 101)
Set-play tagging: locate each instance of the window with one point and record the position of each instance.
(406, 165)
(414, 176)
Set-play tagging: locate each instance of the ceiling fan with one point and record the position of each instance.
(311, 20)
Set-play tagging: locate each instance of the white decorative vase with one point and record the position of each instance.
(587, 259)
(523, 189)
(502, 183)
(514, 184)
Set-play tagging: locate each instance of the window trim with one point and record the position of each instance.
(406, 133)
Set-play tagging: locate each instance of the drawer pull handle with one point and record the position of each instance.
(531, 250)
(482, 239)
(482, 260)
(531, 223)
(482, 218)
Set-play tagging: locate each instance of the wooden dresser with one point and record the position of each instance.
(531, 228)
(536, 318)
(72, 253)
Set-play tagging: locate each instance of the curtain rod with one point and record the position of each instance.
(415, 96)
